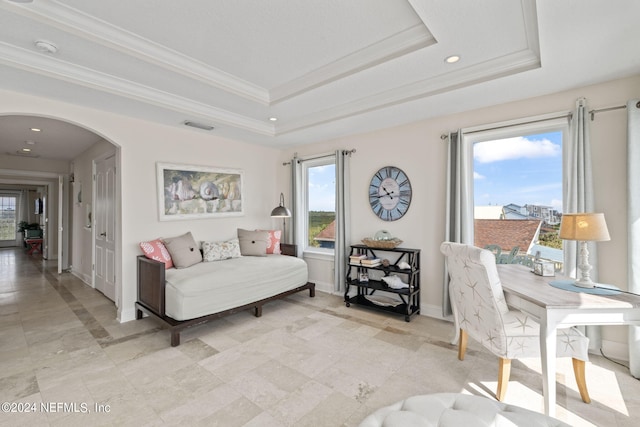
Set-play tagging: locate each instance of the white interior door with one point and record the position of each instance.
(44, 222)
(61, 194)
(104, 212)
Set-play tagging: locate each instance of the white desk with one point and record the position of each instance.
(556, 308)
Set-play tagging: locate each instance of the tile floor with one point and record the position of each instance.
(65, 360)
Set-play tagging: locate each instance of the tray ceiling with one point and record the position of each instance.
(323, 68)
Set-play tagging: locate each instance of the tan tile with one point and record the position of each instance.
(335, 410)
(17, 386)
(237, 413)
(296, 405)
(202, 406)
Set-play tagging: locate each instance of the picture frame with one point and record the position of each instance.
(193, 192)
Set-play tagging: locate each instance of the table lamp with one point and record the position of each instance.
(584, 227)
(281, 212)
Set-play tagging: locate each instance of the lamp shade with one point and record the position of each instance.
(584, 227)
(281, 211)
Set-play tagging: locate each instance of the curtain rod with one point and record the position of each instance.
(601, 110)
(567, 115)
(344, 152)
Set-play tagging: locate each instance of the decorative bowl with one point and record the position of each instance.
(382, 244)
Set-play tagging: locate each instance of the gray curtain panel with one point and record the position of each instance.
(459, 203)
(343, 216)
(633, 177)
(578, 197)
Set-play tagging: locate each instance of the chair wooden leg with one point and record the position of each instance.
(504, 372)
(578, 370)
(462, 345)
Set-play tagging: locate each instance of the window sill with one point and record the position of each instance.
(320, 255)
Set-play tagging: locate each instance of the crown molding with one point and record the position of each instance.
(394, 46)
(87, 27)
(61, 70)
(500, 67)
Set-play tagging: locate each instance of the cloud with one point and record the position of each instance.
(514, 148)
(556, 204)
(476, 175)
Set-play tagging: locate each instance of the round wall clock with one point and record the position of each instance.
(390, 193)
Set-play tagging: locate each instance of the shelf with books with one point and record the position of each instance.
(384, 279)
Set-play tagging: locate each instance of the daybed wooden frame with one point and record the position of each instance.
(151, 299)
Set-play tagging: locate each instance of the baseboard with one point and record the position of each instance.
(327, 288)
(127, 315)
(435, 311)
(615, 350)
(85, 278)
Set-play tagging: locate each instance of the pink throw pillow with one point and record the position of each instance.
(273, 244)
(156, 250)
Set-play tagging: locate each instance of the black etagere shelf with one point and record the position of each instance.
(367, 293)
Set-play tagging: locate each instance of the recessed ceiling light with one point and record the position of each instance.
(26, 150)
(29, 142)
(273, 119)
(36, 129)
(45, 46)
(452, 59)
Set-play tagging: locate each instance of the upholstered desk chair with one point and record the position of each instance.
(480, 311)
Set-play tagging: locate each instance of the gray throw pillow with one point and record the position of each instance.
(253, 243)
(183, 250)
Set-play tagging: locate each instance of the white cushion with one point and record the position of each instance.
(454, 409)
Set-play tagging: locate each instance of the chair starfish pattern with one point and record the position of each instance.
(475, 287)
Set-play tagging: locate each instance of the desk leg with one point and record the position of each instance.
(548, 343)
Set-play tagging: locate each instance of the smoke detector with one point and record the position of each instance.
(45, 46)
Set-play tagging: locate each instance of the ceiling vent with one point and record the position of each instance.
(198, 125)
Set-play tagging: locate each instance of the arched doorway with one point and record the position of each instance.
(60, 157)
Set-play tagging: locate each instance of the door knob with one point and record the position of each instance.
(103, 234)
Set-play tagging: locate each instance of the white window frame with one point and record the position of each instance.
(532, 126)
(16, 213)
(312, 251)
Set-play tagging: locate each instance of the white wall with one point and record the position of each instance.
(418, 150)
(142, 144)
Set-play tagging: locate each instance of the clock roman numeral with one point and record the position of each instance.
(378, 210)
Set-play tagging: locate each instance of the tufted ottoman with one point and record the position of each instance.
(454, 409)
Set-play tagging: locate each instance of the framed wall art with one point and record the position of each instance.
(192, 192)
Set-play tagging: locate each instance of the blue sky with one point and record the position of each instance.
(520, 170)
(322, 185)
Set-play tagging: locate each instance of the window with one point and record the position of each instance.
(518, 192)
(7, 218)
(319, 181)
